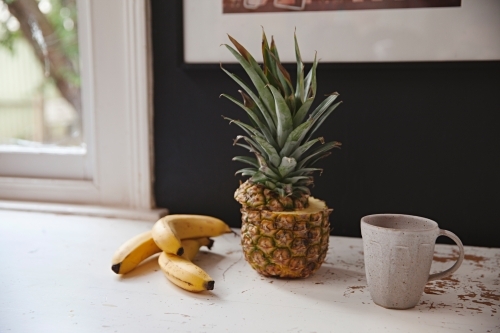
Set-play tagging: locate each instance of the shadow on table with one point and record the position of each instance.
(328, 284)
(208, 260)
(331, 274)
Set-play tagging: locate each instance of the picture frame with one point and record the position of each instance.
(469, 32)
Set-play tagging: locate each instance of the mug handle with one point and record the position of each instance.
(457, 264)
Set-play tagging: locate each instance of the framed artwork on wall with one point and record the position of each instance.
(346, 31)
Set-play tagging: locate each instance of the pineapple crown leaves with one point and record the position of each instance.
(281, 127)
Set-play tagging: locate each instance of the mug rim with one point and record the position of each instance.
(434, 223)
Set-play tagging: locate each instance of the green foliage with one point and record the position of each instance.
(63, 18)
(8, 38)
(281, 128)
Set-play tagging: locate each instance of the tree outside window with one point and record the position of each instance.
(39, 73)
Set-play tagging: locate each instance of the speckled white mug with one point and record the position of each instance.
(398, 252)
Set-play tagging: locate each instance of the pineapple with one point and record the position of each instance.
(284, 231)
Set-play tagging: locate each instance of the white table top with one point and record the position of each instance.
(55, 276)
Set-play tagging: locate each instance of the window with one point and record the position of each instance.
(112, 168)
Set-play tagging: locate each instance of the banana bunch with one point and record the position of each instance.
(178, 238)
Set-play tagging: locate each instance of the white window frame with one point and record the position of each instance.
(116, 171)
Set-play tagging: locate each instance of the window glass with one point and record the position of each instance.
(40, 98)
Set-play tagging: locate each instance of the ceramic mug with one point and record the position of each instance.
(398, 252)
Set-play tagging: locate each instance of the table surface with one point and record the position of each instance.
(56, 277)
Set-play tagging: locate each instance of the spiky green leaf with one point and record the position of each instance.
(274, 81)
(310, 81)
(247, 128)
(265, 112)
(269, 172)
(262, 127)
(300, 115)
(305, 182)
(322, 118)
(248, 160)
(295, 138)
(249, 58)
(284, 117)
(280, 191)
(287, 148)
(258, 177)
(323, 106)
(290, 101)
(256, 79)
(303, 189)
(246, 172)
(254, 147)
(286, 166)
(270, 185)
(303, 148)
(247, 147)
(283, 76)
(313, 161)
(320, 150)
(269, 62)
(274, 49)
(304, 172)
(249, 103)
(261, 160)
(270, 151)
(300, 93)
(294, 180)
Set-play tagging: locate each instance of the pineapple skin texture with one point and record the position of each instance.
(285, 244)
(257, 197)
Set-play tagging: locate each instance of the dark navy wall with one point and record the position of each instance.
(418, 138)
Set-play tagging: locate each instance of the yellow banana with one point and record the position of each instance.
(171, 229)
(132, 252)
(184, 273)
(135, 250)
(192, 246)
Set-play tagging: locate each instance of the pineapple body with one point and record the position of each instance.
(286, 244)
